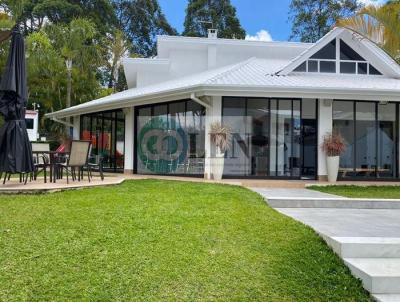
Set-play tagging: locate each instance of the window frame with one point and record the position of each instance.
(338, 61)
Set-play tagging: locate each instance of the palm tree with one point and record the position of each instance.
(381, 24)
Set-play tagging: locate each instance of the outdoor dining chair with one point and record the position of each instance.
(95, 162)
(41, 161)
(77, 160)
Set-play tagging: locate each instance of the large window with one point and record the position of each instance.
(267, 138)
(370, 132)
(349, 61)
(106, 131)
(170, 138)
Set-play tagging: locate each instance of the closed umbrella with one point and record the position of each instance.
(15, 148)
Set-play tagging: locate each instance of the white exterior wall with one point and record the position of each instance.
(183, 56)
(33, 134)
(213, 114)
(77, 127)
(324, 126)
(129, 139)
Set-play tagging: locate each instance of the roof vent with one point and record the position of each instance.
(213, 33)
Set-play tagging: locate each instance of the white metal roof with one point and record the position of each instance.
(256, 74)
(261, 77)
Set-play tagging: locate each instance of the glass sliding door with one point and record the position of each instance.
(237, 161)
(365, 137)
(285, 147)
(273, 141)
(267, 137)
(370, 131)
(295, 162)
(106, 131)
(170, 138)
(258, 112)
(309, 141)
(387, 137)
(343, 123)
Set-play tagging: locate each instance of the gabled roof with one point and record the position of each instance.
(250, 77)
(368, 49)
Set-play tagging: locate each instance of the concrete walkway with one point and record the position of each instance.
(349, 222)
(366, 238)
(290, 193)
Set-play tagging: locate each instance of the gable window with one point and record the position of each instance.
(347, 61)
(348, 54)
(326, 53)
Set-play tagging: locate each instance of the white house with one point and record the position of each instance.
(280, 99)
(32, 124)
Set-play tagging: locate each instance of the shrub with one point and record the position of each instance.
(333, 144)
(220, 136)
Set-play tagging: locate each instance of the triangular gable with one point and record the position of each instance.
(362, 46)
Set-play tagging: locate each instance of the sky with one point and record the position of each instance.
(262, 19)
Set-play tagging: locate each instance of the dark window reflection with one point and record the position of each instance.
(106, 131)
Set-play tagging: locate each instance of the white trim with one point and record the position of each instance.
(57, 120)
(372, 53)
(219, 41)
(304, 56)
(236, 90)
(199, 101)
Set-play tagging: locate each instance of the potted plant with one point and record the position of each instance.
(220, 137)
(333, 145)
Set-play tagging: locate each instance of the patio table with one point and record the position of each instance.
(53, 156)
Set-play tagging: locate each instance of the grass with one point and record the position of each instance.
(153, 240)
(384, 192)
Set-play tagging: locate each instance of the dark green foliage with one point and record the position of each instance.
(219, 14)
(312, 19)
(142, 21)
(32, 14)
(151, 240)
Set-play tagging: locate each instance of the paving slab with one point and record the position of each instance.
(292, 193)
(349, 222)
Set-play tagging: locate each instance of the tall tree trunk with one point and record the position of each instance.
(68, 62)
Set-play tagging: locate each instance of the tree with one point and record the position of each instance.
(32, 14)
(116, 49)
(75, 45)
(381, 24)
(312, 19)
(219, 14)
(141, 21)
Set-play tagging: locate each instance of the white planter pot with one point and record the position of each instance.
(332, 165)
(218, 166)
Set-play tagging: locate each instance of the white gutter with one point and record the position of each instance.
(229, 90)
(62, 122)
(199, 101)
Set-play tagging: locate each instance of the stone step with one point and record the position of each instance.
(336, 203)
(379, 275)
(365, 247)
(387, 297)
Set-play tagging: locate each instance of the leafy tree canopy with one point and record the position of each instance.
(219, 14)
(142, 21)
(312, 19)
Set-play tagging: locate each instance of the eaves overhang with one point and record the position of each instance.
(235, 90)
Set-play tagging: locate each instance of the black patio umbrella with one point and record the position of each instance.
(15, 148)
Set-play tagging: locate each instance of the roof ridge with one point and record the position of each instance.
(231, 69)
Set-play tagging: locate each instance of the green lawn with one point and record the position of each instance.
(360, 192)
(153, 240)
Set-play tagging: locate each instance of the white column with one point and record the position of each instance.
(76, 129)
(324, 127)
(213, 114)
(129, 139)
